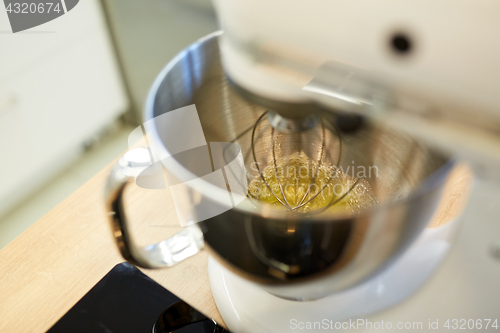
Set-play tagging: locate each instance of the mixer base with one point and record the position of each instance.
(245, 307)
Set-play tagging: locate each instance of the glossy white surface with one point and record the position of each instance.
(443, 65)
(275, 50)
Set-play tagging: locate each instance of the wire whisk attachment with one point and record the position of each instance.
(297, 169)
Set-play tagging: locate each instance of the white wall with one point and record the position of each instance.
(59, 85)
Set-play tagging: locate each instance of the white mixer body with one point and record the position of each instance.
(447, 81)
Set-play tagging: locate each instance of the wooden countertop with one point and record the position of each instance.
(54, 263)
(49, 267)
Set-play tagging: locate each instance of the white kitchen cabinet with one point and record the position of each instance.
(59, 86)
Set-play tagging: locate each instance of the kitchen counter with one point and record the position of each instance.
(54, 263)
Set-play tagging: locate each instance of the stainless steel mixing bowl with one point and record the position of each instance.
(295, 256)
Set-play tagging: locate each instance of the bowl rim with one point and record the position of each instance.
(214, 192)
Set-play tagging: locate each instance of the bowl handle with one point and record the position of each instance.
(166, 253)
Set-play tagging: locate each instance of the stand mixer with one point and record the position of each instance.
(414, 66)
(303, 85)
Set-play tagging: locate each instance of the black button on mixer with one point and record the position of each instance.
(401, 43)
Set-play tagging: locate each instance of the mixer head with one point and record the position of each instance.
(394, 64)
